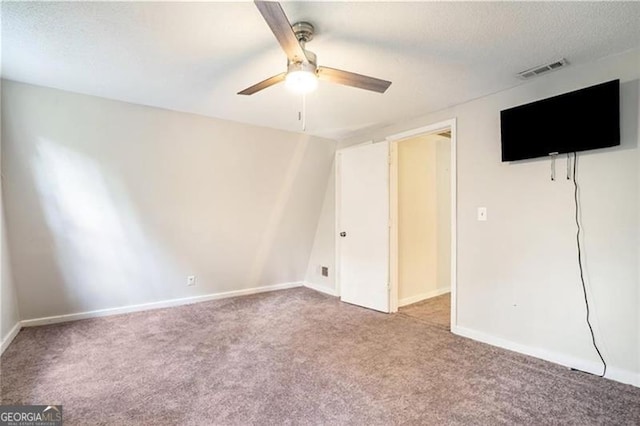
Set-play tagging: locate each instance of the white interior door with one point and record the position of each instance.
(363, 225)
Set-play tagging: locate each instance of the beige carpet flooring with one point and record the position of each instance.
(294, 357)
(435, 311)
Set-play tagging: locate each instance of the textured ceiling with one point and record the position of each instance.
(194, 57)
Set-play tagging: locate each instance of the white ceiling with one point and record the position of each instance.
(194, 57)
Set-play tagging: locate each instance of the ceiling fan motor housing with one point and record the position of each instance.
(304, 34)
(310, 66)
(301, 66)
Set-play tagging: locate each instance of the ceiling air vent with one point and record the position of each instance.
(542, 69)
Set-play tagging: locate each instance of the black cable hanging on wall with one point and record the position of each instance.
(584, 287)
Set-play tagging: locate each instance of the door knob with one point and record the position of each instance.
(343, 234)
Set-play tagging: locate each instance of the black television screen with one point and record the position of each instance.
(576, 121)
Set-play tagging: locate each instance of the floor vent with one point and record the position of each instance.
(542, 69)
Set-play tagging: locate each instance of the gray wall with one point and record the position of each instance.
(112, 204)
(518, 282)
(9, 314)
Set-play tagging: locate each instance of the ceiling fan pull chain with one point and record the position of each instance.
(304, 112)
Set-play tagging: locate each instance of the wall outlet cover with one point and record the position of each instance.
(482, 214)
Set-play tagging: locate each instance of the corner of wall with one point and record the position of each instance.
(9, 313)
(323, 253)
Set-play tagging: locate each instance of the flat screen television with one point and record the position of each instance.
(576, 121)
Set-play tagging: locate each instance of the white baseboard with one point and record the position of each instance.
(617, 374)
(322, 289)
(155, 305)
(423, 296)
(10, 336)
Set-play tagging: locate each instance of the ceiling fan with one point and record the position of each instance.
(303, 71)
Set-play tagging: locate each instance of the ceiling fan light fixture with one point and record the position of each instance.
(301, 81)
(301, 76)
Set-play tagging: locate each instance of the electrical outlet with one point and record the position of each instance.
(324, 270)
(191, 280)
(482, 214)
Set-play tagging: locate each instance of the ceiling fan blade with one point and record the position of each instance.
(277, 20)
(352, 79)
(263, 84)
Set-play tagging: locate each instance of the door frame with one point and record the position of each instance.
(393, 209)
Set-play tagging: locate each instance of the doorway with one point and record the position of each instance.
(367, 267)
(423, 223)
